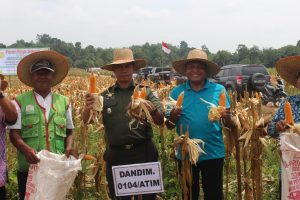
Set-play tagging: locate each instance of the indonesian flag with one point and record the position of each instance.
(165, 48)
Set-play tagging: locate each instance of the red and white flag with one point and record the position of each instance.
(165, 48)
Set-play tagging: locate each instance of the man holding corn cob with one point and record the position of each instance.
(192, 117)
(44, 118)
(288, 113)
(129, 141)
(8, 115)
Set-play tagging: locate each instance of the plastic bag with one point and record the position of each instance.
(290, 166)
(52, 177)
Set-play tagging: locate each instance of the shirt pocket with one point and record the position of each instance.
(109, 107)
(30, 125)
(60, 125)
(30, 130)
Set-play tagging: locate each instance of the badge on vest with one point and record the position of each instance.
(29, 109)
(109, 111)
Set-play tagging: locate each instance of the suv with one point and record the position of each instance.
(144, 72)
(156, 71)
(240, 77)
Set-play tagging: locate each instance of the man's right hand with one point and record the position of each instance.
(31, 157)
(89, 101)
(175, 114)
(281, 126)
(3, 83)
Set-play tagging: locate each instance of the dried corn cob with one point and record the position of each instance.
(222, 101)
(135, 94)
(288, 113)
(92, 84)
(143, 93)
(180, 100)
(89, 157)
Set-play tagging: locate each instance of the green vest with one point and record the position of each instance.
(36, 132)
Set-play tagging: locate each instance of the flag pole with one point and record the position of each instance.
(161, 55)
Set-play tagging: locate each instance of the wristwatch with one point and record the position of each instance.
(2, 95)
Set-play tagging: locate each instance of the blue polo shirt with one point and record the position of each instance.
(194, 116)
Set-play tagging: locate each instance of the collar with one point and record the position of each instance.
(206, 85)
(38, 95)
(117, 87)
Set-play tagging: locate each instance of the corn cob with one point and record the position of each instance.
(135, 94)
(180, 100)
(222, 101)
(288, 113)
(92, 84)
(143, 93)
(89, 157)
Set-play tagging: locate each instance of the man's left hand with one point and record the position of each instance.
(151, 108)
(227, 116)
(69, 151)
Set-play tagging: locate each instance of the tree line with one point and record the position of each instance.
(91, 56)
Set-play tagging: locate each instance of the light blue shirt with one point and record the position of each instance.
(194, 117)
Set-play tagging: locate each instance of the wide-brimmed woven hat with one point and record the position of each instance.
(122, 56)
(196, 55)
(288, 68)
(58, 61)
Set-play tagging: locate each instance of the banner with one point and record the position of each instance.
(9, 59)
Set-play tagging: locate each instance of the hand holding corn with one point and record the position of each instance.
(175, 114)
(281, 126)
(227, 116)
(89, 101)
(3, 83)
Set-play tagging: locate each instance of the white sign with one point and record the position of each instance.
(10, 58)
(143, 178)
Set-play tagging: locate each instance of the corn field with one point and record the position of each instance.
(251, 164)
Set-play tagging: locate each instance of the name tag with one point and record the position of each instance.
(143, 178)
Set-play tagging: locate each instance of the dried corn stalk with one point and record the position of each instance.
(215, 112)
(96, 111)
(138, 109)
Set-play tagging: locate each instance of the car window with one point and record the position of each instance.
(236, 71)
(249, 70)
(226, 72)
(221, 73)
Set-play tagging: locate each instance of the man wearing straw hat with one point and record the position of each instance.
(289, 69)
(8, 115)
(125, 145)
(193, 116)
(44, 117)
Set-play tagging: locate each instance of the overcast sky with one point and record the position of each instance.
(219, 24)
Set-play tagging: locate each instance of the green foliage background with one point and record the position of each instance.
(91, 56)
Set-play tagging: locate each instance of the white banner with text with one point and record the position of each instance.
(10, 58)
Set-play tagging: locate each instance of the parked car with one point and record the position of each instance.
(155, 76)
(240, 77)
(144, 72)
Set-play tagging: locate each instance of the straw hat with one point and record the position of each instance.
(125, 55)
(58, 61)
(196, 55)
(288, 68)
